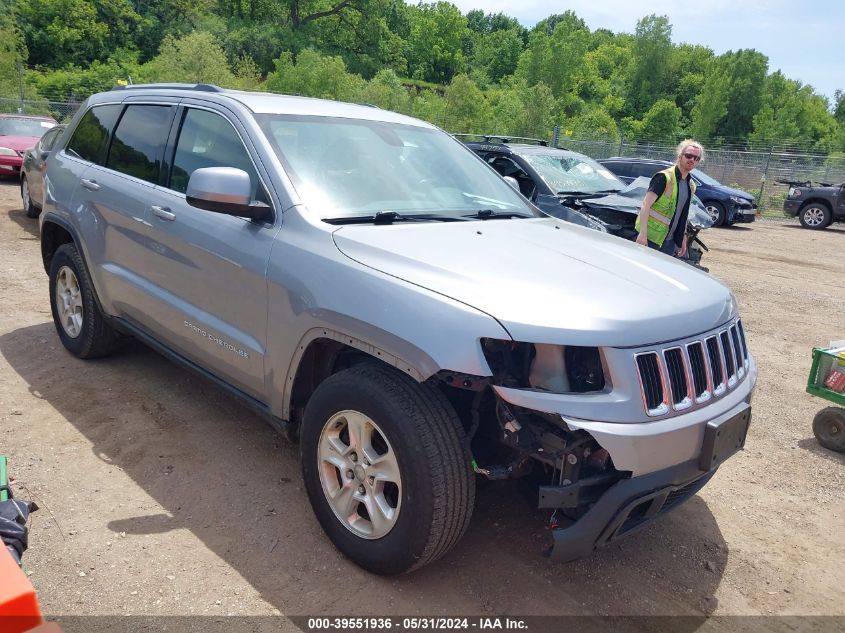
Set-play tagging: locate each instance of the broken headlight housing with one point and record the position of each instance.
(553, 368)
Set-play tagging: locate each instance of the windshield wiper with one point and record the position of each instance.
(389, 217)
(587, 193)
(487, 214)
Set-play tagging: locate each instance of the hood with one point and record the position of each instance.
(739, 193)
(18, 143)
(631, 197)
(547, 281)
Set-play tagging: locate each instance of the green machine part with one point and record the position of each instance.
(4, 480)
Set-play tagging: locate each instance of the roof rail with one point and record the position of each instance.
(174, 86)
(492, 138)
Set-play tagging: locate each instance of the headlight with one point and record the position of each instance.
(738, 200)
(794, 192)
(554, 368)
(5, 151)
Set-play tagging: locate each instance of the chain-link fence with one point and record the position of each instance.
(62, 111)
(756, 172)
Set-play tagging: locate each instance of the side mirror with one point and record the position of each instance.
(44, 154)
(225, 190)
(512, 182)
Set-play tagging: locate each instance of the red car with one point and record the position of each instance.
(19, 132)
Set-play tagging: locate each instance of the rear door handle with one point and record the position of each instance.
(163, 212)
(90, 184)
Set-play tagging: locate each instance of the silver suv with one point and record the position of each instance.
(386, 299)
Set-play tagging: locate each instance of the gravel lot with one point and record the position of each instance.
(161, 496)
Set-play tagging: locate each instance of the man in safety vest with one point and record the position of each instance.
(662, 221)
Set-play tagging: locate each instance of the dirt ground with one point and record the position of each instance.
(159, 495)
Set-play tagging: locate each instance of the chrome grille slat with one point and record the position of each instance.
(681, 376)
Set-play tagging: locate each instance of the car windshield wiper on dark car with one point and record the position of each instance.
(587, 193)
(487, 214)
(389, 217)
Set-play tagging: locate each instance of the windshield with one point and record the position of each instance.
(707, 180)
(566, 172)
(345, 168)
(24, 127)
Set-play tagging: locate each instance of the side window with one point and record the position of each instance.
(646, 169)
(90, 138)
(48, 139)
(137, 148)
(507, 167)
(209, 140)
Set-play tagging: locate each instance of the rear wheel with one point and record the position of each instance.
(81, 326)
(829, 428)
(815, 216)
(386, 469)
(28, 205)
(716, 211)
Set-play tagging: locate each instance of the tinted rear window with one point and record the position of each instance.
(91, 136)
(138, 145)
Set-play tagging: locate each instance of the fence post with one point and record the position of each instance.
(763, 180)
(555, 135)
(19, 69)
(621, 141)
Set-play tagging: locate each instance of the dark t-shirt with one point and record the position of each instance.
(658, 186)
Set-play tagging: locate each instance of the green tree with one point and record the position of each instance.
(434, 43)
(591, 123)
(557, 59)
(732, 94)
(194, 58)
(662, 121)
(650, 66)
(314, 75)
(13, 54)
(497, 53)
(466, 106)
(386, 91)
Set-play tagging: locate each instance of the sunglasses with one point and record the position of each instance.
(694, 157)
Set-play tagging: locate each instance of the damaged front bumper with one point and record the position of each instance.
(657, 466)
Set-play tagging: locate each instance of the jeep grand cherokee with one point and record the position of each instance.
(384, 297)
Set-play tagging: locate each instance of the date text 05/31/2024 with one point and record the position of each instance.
(415, 623)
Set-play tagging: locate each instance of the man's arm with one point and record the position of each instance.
(642, 237)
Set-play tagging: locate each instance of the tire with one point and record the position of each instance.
(815, 216)
(76, 314)
(28, 205)
(426, 492)
(716, 210)
(829, 428)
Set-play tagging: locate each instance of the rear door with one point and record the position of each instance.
(114, 196)
(207, 271)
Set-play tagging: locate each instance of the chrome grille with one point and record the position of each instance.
(679, 377)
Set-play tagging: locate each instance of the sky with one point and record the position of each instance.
(801, 38)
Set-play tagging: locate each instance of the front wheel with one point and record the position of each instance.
(716, 211)
(815, 216)
(829, 428)
(386, 468)
(79, 322)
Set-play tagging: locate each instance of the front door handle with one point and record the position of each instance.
(163, 212)
(90, 184)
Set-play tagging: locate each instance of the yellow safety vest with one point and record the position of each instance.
(663, 210)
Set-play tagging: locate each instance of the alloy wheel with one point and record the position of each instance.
(359, 474)
(69, 302)
(813, 216)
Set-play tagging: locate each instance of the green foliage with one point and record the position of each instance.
(479, 72)
(731, 95)
(434, 44)
(75, 84)
(314, 75)
(13, 53)
(650, 68)
(466, 107)
(386, 91)
(194, 58)
(662, 122)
